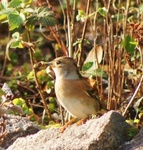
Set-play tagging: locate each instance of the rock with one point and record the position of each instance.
(105, 133)
(17, 126)
(135, 144)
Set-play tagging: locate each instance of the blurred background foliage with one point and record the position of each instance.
(104, 37)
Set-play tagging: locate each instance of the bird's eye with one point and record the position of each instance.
(58, 62)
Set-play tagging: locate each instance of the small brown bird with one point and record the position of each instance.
(72, 90)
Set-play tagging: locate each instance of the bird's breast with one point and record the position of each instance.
(64, 89)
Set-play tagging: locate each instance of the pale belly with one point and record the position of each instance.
(75, 100)
(78, 109)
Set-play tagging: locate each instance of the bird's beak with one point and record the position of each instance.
(50, 64)
(49, 67)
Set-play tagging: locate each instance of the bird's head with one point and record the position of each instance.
(65, 68)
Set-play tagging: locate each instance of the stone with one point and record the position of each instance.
(17, 126)
(135, 144)
(105, 133)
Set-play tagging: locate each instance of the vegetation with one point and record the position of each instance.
(104, 37)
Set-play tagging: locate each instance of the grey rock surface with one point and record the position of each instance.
(17, 126)
(105, 133)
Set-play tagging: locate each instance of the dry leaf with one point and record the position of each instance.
(95, 56)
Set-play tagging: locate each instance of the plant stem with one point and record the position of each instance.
(132, 99)
(31, 50)
(64, 21)
(59, 41)
(83, 35)
(70, 49)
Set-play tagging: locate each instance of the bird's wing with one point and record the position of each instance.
(91, 92)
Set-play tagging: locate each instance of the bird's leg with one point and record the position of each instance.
(82, 121)
(67, 124)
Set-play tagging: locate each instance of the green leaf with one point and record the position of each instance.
(26, 2)
(3, 17)
(134, 43)
(3, 4)
(46, 17)
(48, 21)
(80, 15)
(16, 35)
(100, 72)
(14, 57)
(127, 44)
(77, 42)
(103, 11)
(52, 107)
(41, 15)
(16, 44)
(31, 76)
(87, 66)
(97, 72)
(15, 20)
(117, 17)
(5, 12)
(15, 3)
(19, 101)
(30, 23)
(132, 131)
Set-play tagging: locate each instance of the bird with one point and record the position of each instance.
(72, 90)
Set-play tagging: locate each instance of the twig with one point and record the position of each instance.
(126, 16)
(49, 5)
(56, 38)
(70, 47)
(64, 20)
(6, 55)
(83, 35)
(59, 41)
(72, 27)
(95, 25)
(4, 65)
(132, 99)
(31, 50)
(26, 88)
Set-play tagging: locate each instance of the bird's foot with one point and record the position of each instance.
(67, 124)
(82, 121)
